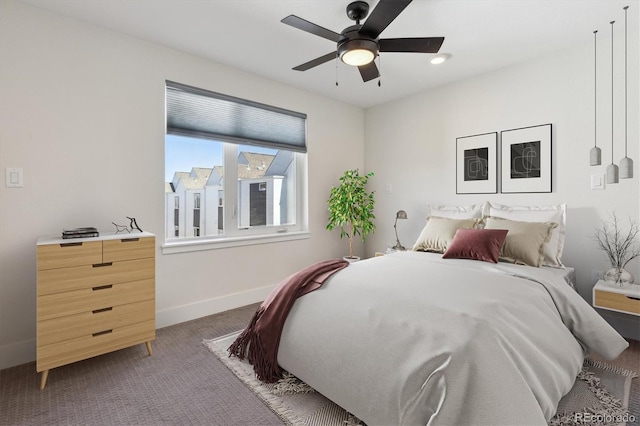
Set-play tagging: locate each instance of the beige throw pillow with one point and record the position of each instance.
(525, 240)
(549, 213)
(438, 233)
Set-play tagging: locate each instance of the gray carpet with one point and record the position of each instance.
(182, 383)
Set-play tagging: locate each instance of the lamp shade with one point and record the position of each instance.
(357, 57)
(401, 214)
(626, 168)
(357, 52)
(612, 173)
(595, 156)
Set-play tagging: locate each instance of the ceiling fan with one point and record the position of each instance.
(358, 45)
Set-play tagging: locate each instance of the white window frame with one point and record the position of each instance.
(235, 236)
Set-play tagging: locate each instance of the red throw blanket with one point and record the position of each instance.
(260, 340)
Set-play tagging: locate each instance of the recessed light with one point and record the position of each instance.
(438, 59)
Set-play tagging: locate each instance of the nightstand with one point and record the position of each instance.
(619, 299)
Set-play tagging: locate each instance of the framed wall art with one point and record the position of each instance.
(476, 164)
(526, 159)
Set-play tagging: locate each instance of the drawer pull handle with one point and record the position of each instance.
(127, 240)
(100, 265)
(97, 311)
(102, 287)
(76, 244)
(100, 333)
(633, 298)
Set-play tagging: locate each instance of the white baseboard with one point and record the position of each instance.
(23, 352)
(203, 308)
(17, 353)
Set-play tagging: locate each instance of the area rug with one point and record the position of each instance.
(600, 395)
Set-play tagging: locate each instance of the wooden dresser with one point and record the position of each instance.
(94, 295)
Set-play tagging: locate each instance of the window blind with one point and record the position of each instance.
(201, 113)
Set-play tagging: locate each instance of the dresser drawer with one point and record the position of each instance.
(79, 348)
(94, 321)
(616, 301)
(69, 254)
(128, 248)
(90, 299)
(89, 276)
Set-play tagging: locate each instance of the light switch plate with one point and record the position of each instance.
(597, 181)
(14, 178)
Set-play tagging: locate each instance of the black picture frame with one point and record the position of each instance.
(526, 159)
(477, 164)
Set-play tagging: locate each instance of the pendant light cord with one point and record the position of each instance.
(595, 89)
(625, 81)
(612, 22)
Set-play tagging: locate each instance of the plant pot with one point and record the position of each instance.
(618, 277)
(351, 259)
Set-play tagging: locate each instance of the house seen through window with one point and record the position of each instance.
(220, 186)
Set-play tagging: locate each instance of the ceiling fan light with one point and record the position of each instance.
(357, 57)
(358, 52)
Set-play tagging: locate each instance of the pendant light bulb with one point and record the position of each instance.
(626, 164)
(595, 155)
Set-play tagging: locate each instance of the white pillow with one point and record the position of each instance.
(456, 212)
(557, 214)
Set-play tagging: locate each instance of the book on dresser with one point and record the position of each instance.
(93, 296)
(86, 232)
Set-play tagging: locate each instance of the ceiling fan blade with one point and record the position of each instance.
(318, 61)
(416, 45)
(310, 27)
(383, 14)
(369, 71)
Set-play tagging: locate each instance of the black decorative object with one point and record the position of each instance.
(120, 228)
(133, 224)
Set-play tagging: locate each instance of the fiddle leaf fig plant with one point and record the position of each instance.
(351, 207)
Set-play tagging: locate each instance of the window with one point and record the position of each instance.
(239, 168)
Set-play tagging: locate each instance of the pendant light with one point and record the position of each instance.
(626, 164)
(595, 155)
(612, 169)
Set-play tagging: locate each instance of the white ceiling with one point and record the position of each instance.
(481, 36)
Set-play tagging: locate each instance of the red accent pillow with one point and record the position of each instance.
(476, 244)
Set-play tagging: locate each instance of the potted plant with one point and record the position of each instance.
(351, 208)
(620, 248)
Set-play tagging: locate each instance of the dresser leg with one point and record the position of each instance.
(43, 379)
(149, 348)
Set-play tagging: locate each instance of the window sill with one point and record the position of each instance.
(197, 244)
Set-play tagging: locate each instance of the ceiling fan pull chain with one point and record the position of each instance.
(337, 72)
(380, 68)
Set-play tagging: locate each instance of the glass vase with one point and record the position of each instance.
(619, 277)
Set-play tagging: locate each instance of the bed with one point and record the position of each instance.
(415, 338)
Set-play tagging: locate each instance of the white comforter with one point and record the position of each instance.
(411, 338)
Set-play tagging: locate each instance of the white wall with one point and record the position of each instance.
(82, 113)
(411, 144)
